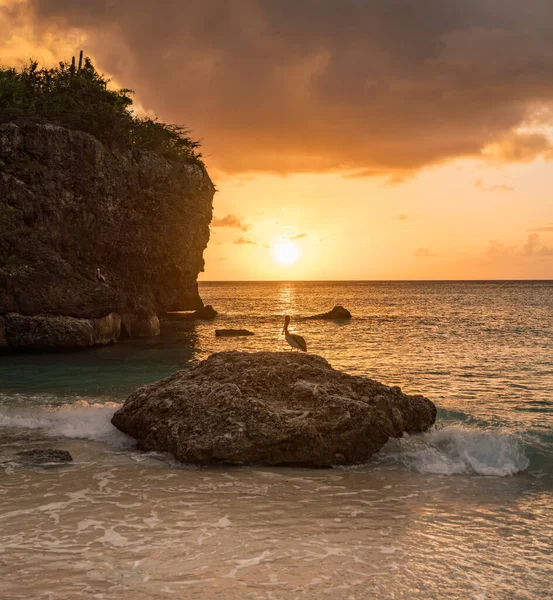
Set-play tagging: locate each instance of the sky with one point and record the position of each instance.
(348, 139)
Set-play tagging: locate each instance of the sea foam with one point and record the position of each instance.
(81, 420)
(457, 449)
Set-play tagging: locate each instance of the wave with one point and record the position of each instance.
(444, 450)
(457, 449)
(81, 420)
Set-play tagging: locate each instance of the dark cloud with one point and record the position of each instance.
(242, 240)
(424, 253)
(368, 86)
(230, 221)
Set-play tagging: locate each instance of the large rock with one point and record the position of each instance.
(273, 408)
(59, 333)
(70, 205)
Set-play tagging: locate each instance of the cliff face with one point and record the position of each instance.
(69, 206)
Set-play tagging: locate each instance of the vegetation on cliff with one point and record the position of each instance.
(79, 98)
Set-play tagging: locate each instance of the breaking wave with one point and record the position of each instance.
(457, 449)
(453, 449)
(81, 420)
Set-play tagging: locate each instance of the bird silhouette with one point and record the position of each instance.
(295, 340)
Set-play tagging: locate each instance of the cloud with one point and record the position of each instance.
(493, 188)
(242, 240)
(520, 147)
(547, 229)
(402, 217)
(531, 248)
(424, 253)
(363, 86)
(230, 221)
(497, 249)
(298, 236)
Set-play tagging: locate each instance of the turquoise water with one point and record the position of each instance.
(463, 511)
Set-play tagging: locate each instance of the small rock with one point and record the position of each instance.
(232, 332)
(206, 312)
(48, 455)
(338, 312)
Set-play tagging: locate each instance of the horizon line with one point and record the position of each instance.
(374, 280)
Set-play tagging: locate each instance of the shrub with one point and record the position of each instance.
(80, 99)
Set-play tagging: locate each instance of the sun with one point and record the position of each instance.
(286, 253)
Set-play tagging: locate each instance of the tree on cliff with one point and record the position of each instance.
(80, 99)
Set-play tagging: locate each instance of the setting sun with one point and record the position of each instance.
(286, 253)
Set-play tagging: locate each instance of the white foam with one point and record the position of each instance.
(81, 420)
(457, 449)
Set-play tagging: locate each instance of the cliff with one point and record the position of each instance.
(69, 205)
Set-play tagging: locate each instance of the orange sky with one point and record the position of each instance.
(382, 140)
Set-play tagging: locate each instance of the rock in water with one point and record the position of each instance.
(232, 332)
(206, 312)
(46, 332)
(272, 408)
(338, 312)
(45, 456)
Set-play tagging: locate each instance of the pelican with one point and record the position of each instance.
(295, 340)
(99, 276)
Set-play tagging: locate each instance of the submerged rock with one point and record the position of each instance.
(232, 332)
(206, 312)
(273, 408)
(44, 456)
(338, 312)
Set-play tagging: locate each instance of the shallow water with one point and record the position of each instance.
(463, 511)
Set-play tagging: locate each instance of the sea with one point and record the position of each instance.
(463, 511)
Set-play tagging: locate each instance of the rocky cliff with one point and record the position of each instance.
(69, 205)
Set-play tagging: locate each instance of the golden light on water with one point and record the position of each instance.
(286, 253)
